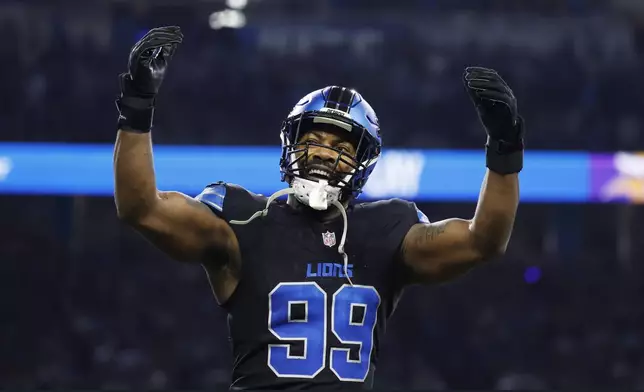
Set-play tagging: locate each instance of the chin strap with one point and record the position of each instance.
(343, 239)
(315, 194)
(337, 204)
(264, 212)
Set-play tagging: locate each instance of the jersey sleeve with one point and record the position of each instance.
(422, 218)
(383, 228)
(213, 196)
(400, 216)
(403, 216)
(386, 223)
(230, 201)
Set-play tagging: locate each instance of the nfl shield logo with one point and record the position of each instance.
(328, 239)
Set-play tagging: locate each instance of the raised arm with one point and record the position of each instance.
(177, 224)
(443, 250)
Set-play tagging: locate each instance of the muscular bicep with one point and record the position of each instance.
(439, 251)
(187, 230)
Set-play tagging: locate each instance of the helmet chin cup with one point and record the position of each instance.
(315, 194)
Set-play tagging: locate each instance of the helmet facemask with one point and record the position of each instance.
(330, 183)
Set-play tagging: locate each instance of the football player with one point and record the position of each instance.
(310, 282)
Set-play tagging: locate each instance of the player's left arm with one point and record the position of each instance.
(440, 251)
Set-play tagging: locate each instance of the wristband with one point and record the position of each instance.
(504, 158)
(135, 114)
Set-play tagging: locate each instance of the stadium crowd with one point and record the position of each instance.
(574, 68)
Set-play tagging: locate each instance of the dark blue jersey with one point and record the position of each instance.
(295, 319)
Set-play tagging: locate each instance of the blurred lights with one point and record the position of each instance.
(5, 167)
(532, 274)
(231, 19)
(237, 4)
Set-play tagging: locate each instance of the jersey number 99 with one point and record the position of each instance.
(348, 324)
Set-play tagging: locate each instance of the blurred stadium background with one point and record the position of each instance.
(87, 303)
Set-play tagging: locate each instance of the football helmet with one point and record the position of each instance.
(347, 111)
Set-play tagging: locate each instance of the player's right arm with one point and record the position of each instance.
(179, 225)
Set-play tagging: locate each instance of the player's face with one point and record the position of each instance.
(325, 159)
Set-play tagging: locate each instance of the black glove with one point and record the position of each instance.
(147, 66)
(497, 110)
